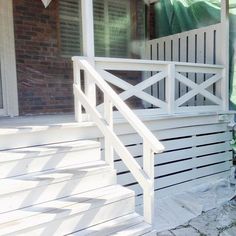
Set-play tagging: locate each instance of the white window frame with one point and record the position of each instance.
(8, 60)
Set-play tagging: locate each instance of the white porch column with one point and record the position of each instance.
(225, 52)
(8, 59)
(88, 45)
(88, 29)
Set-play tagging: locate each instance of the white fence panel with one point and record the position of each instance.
(196, 46)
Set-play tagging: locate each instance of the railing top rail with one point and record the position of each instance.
(214, 26)
(134, 121)
(100, 60)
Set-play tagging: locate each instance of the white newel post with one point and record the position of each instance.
(148, 194)
(77, 81)
(170, 88)
(225, 53)
(88, 45)
(108, 115)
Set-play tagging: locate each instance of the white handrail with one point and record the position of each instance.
(134, 121)
(151, 144)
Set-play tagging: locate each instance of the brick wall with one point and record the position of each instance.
(44, 77)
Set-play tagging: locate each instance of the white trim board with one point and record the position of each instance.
(8, 60)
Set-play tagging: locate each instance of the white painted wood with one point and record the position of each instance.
(88, 28)
(108, 116)
(170, 88)
(175, 189)
(20, 183)
(165, 127)
(182, 166)
(136, 90)
(136, 230)
(7, 59)
(144, 177)
(22, 161)
(148, 164)
(88, 211)
(77, 104)
(182, 155)
(193, 92)
(154, 90)
(45, 186)
(204, 46)
(115, 226)
(210, 173)
(121, 106)
(225, 52)
(198, 89)
(58, 203)
(192, 50)
(147, 65)
(211, 154)
(199, 68)
(191, 184)
(132, 165)
(161, 84)
(88, 45)
(39, 130)
(183, 58)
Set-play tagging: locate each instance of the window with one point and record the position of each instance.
(111, 27)
(70, 27)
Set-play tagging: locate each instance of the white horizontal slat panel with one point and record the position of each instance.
(190, 178)
(175, 189)
(190, 165)
(180, 155)
(191, 152)
(196, 141)
(131, 138)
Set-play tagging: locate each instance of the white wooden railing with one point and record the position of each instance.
(169, 87)
(145, 175)
(156, 75)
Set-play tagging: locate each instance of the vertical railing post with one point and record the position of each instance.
(170, 88)
(225, 53)
(108, 115)
(77, 81)
(90, 89)
(148, 193)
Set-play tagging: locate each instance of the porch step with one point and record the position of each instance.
(28, 131)
(22, 161)
(132, 225)
(67, 215)
(31, 189)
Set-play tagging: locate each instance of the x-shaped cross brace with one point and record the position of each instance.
(198, 89)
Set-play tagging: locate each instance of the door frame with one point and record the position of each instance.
(8, 60)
